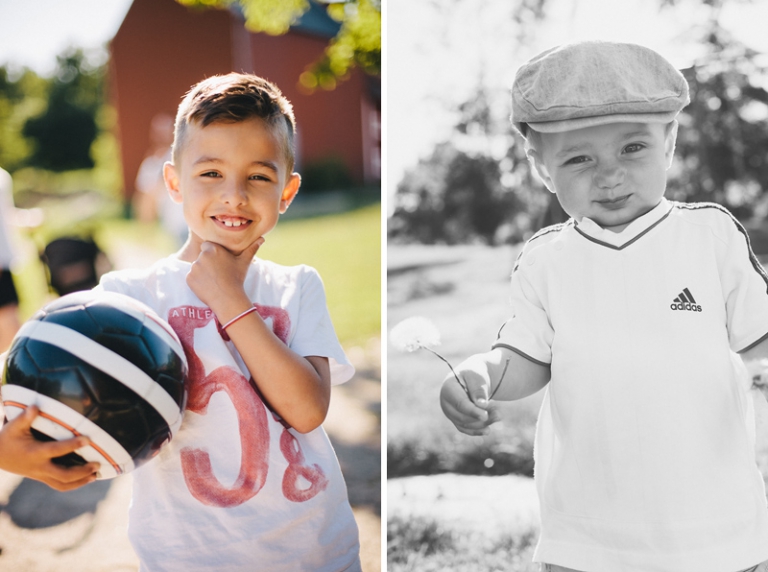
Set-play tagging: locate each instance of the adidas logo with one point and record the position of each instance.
(685, 301)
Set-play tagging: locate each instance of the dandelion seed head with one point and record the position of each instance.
(414, 333)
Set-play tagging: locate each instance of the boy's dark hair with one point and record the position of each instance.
(232, 98)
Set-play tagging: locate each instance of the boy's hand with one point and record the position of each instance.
(22, 454)
(474, 413)
(217, 278)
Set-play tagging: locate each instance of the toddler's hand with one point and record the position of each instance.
(22, 454)
(217, 276)
(470, 414)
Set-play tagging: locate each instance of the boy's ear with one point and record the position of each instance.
(535, 160)
(171, 178)
(669, 143)
(289, 192)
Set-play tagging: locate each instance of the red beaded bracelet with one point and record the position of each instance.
(236, 318)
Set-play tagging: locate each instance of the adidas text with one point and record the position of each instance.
(686, 306)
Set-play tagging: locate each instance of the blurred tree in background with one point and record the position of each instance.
(63, 133)
(721, 156)
(56, 133)
(357, 44)
(21, 97)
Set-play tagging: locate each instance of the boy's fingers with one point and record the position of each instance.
(252, 249)
(24, 421)
(68, 485)
(72, 474)
(60, 448)
(469, 411)
(207, 246)
(494, 413)
(477, 387)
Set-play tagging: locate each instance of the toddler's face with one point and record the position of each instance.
(232, 181)
(610, 173)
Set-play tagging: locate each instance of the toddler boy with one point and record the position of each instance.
(632, 315)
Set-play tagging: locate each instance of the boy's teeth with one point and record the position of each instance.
(230, 222)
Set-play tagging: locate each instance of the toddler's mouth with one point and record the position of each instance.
(614, 203)
(232, 221)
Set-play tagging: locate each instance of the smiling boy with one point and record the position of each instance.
(636, 316)
(251, 481)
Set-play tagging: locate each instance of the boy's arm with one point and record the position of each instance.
(500, 372)
(22, 454)
(297, 388)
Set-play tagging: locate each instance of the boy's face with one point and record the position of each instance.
(232, 181)
(610, 173)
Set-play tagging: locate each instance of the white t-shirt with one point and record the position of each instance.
(235, 490)
(7, 246)
(644, 456)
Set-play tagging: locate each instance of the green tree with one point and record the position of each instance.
(467, 189)
(21, 96)
(357, 44)
(63, 134)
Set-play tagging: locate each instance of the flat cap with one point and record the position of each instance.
(593, 83)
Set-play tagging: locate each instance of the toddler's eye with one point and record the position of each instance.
(209, 174)
(634, 147)
(258, 177)
(577, 160)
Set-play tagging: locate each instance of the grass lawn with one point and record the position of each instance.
(462, 290)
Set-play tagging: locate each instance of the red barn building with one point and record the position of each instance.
(162, 48)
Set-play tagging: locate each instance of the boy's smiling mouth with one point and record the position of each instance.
(234, 222)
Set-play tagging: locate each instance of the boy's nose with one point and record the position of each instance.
(234, 194)
(609, 176)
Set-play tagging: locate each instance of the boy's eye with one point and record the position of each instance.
(259, 177)
(210, 174)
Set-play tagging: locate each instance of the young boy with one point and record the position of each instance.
(250, 482)
(631, 314)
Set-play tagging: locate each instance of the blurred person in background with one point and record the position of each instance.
(151, 201)
(9, 299)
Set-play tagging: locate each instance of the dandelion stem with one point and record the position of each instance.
(458, 379)
(503, 373)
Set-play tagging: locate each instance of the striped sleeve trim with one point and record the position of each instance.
(740, 227)
(520, 353)
(540, 233)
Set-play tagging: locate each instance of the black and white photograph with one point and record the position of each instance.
(577, 310)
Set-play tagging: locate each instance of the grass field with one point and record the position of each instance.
(462, 290)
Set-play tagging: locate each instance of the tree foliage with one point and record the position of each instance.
(20, 98)
(63, 133)
(357, 44)
(464, 191)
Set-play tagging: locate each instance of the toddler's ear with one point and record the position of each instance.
(290, 191)
(670, 141)
(171, 178)
(541, 170)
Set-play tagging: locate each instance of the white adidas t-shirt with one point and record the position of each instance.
(236, 491)
(644, 457)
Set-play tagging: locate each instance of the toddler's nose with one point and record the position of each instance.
(609, 176)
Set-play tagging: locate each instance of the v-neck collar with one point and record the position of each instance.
(590, 230)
